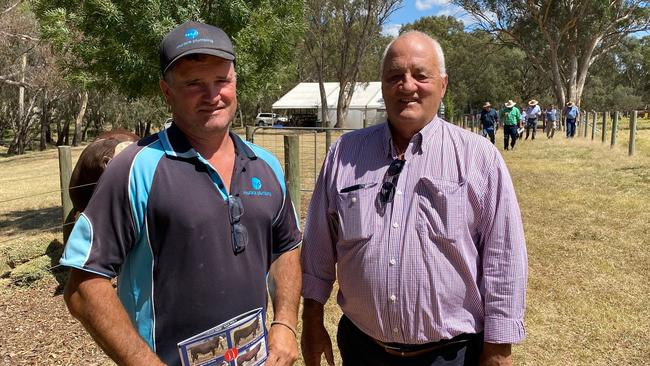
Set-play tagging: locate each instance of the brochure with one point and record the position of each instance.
(240, 341)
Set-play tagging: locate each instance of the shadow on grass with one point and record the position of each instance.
(33, 219)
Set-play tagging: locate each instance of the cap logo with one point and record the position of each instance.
(191, 33)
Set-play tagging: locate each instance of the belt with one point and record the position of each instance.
(408, 350)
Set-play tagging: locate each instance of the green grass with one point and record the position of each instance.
(587, 224)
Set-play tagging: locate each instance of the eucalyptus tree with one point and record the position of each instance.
(339, 35)
(562, 38)
(114, 43)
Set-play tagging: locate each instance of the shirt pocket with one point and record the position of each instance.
(356, 212)
(440, 209)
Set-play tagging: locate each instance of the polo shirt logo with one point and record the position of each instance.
(256, 184)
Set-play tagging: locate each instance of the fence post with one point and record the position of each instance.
(632, 146)
(292, 169)
(614, 130)
(585, 117)
(65, 172)
(602, 137)
(249, 133)
(593, 126)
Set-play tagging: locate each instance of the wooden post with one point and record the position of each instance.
(593, 126)
(602, 136)
(585, 117)
(614, 130)
(292, 169)
(632, 146)
(65, 172)
(249, 133)
(328, 141)
(464, 122)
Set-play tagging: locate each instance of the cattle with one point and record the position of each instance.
(212, 346)
(90, 166)
(251, 354)
(245, 332)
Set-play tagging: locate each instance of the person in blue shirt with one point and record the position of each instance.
(489, 120)
(550, 119)
(532, 113)
(571, 112)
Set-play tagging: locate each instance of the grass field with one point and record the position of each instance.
(587, 224)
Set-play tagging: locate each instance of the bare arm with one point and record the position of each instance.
(315, 340)
(285, 282)
(496, 355)
(93, 301)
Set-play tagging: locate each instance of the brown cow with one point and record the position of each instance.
(245, 332)
(250, 355)
(213, 346)
(89, 168)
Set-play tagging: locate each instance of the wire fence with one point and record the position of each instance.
(313, 146)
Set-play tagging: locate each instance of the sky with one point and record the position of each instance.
(412, 10)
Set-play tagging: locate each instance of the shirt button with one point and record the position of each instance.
(395, 225)
(439, 194)
(393, 298)
(354, 199)
(399, 193)
(392, 262)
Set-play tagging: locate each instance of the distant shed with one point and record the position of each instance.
(366, 107)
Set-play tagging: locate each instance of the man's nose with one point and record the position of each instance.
(408, 84)
(212, 93)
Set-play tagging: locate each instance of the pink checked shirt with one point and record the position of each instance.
(447, 257)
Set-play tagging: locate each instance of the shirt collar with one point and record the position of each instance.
(176, 144)
(419, 142)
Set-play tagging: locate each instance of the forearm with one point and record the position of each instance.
(286, 282)
(496, 355)
(93, 301)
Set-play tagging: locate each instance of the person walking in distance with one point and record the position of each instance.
(532, 113)
(510, 116)
(489, 120)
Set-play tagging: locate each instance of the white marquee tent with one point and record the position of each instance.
(366, 107)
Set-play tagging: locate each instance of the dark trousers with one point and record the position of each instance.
(531, 124)
(570, 127)
(358, 349)
(489, 131)
(509, 132)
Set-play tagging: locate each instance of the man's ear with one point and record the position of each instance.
(164, 87)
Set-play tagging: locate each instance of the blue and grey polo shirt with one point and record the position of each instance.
(159, 220)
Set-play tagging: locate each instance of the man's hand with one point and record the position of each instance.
(315, 340)
(283, 347)
(496, 355)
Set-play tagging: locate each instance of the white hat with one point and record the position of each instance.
(533, 102)
(510, 104)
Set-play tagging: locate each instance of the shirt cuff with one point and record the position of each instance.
(503, 330)
(315, 288)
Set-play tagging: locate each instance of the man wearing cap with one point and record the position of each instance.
(191, 219)
(489, 120)
(418, 221)
(532, 113)
(510, 116)
(571, 113)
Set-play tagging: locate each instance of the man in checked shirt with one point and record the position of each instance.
(419, 222)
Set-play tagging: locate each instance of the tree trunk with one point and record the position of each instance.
(80, 116)
(44, 122)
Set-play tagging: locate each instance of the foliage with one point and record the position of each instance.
(115, 42)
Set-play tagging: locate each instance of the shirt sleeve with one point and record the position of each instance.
(319, 248)
(286, 229)
(504, 259)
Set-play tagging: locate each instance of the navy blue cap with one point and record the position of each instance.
(194, 38)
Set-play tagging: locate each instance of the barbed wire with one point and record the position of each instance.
(48, 192)
(27, 178)
(27, 233)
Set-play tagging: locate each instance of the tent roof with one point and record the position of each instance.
(307, 96)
